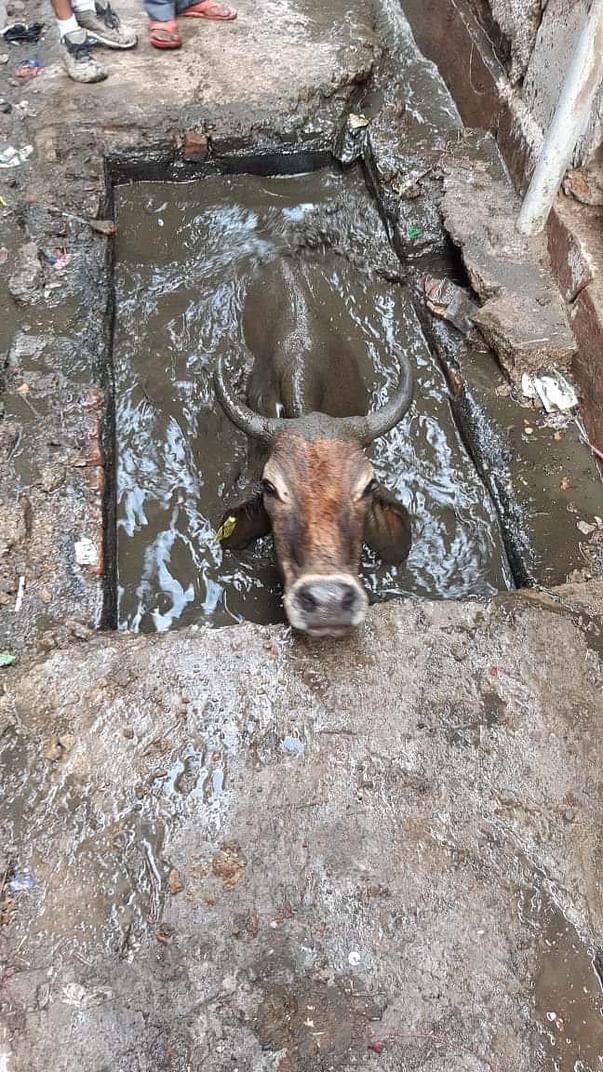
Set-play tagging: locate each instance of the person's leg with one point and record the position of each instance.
(162, 24)
(103, 24)
(160, 10)
(75, 46)
(66, 20)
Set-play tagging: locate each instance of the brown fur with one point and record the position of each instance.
(318, 518)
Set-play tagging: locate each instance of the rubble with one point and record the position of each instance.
(522, 316)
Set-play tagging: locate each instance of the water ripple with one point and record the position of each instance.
(180, 291)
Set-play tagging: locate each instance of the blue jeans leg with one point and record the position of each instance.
(160, 10)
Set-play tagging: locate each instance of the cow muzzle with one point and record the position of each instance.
(326, 604)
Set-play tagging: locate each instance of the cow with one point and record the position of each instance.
(309, 481)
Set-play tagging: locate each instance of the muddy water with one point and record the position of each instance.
(567, 991)
(186, 256)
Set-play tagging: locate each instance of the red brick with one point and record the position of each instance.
(195, 146)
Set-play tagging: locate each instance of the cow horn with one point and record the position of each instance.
(363, 429)
(383, 420)
(253, 424)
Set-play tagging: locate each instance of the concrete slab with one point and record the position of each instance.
(236, 849)
(279, 66)
(523, 317)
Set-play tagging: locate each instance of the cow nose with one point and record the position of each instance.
(329, 604)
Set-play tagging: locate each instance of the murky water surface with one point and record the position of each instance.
(567, 991)
(186, 257)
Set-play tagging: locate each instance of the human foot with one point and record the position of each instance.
(210, 9)
(105, 26)
(164, 34)
(76, 48)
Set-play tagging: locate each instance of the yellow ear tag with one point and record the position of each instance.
(226, 528)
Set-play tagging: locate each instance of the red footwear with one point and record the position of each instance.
(210, 9)
(164, 34)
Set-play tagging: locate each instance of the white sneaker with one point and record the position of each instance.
(105, 27)
(78, 60)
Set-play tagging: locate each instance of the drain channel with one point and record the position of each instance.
(186, 257)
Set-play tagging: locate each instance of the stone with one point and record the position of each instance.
(25, 282)
(85, 552)
(175, 883)
(503, 321)
(195, 146)
(586, 184)
(523, 317)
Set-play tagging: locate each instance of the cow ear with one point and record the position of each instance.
(387, 528)
(244, 523)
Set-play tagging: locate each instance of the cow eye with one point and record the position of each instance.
(370, 487)
(269, 488)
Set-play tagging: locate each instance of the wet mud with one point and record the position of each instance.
(186, 256)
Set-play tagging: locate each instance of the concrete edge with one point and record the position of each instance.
(457, 43)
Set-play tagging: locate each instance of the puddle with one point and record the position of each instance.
(186, 256)
(569, 1002)
(568, 995)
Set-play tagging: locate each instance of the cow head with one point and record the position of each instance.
(319, 496)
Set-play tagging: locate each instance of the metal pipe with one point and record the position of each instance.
(568, 123)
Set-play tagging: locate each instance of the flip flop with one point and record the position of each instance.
(210, 9)
(164, 34)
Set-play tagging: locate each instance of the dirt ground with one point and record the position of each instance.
(236, 849)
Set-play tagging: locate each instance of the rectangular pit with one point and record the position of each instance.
(185, 254)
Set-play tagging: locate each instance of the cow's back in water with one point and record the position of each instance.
(307, 358)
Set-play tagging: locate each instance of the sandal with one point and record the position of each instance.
(164, 34)
(210, 9)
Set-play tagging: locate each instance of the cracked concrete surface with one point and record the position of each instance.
(523, 317)
(250, 851)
